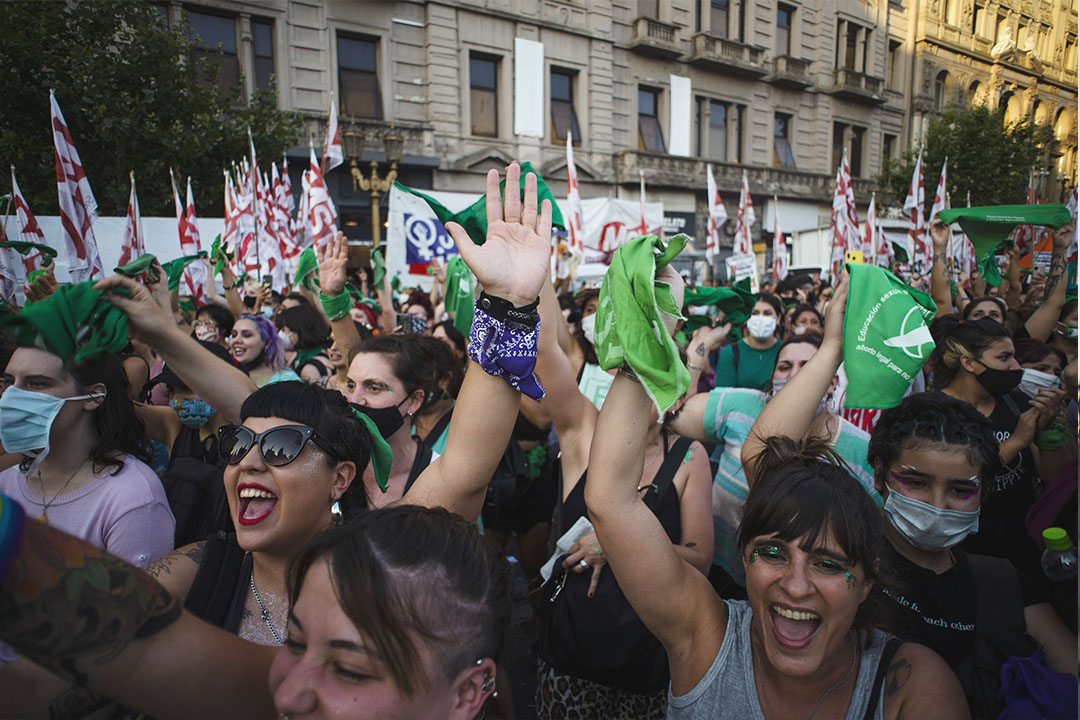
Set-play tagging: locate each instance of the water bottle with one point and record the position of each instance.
(1059, 557)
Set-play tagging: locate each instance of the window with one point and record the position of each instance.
(855, 157)
(941, 85)
(650, 136)
(839, 131)
(215, 37)
(563, 117)
(783, 157)
(975, 94)
(894, 65)
(718, 18)
(852, 41)
(649, 9)
(358, 77)
(262, 32)
(948, 13)
(722, 137)
(888, 147)
(851, 45)
(718, 128)
(1002, 28)
(482, 95)
(977, 18)
(784, 16)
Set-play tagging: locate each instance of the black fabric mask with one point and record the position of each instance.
(389, 419)
(999, 382)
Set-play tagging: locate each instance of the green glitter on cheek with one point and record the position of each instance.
(850, 579)
(754, 555)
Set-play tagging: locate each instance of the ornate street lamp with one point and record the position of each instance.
(393, 143)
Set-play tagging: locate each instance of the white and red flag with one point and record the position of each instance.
(779, 246)
(870, 229)
(1072, 204)
(915, 206)
(12, 276)
(286, 181)
(290, 251)
(717, 217)
(194, 278)
(838, 225)
(576, 226)
(134, 242)
(320, 206)
(29, 230)
(302, 223)
(744, 243)
(230, 235)
(332, 152)
(941, 202)
(78, 209)
(1026, 236)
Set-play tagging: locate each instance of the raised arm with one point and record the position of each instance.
(704, 341)
(791, 411)
(674, 600)
(1042, 321)
(333, 258)
(939, 276)
(1012, 274)
(512, 265)
(222, 385)
(93, 619)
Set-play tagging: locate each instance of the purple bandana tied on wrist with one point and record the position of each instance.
(503, 350)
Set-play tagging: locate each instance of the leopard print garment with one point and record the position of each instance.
(564, 697)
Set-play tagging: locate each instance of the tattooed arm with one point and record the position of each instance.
(101, 623)
(939, 278)
(1042, 321)
(920, 686)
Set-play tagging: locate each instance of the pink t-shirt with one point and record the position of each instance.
(126, 513)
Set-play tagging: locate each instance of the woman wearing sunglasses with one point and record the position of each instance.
(286, 473)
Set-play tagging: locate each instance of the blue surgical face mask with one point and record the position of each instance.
(26, 420)
(196, 412)
(928, 527)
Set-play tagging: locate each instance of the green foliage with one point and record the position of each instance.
(985, 157)
(132, 100)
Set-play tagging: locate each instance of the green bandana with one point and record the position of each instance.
(218, 255)
(307, 270)
(629, 328)
(459, 294)
(736, 301)
(886, 337)
(378, 266)
(76, 322)
(25, 248)
(138, 266)
(175, 269)
(474, 217)
(381, 454)
(990, 228)
(303, 357)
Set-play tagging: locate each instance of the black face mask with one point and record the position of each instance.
(389, 419)
(999, 382)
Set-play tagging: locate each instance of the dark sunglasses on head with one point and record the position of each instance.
(278, 446)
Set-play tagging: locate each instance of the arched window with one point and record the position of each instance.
(1010, 103)
(976, 94)
(941, 84)
(1038, 112)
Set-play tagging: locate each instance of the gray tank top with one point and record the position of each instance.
(728, 689)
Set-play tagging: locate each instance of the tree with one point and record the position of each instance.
(133, 101)
(987, 158)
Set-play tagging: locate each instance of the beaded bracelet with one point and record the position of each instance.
(12, 526)
(506, 347)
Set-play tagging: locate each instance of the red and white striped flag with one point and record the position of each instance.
(870, 229)
(230, 235)
(320, 206)
(744, 243)
(915, 206)
(29, 230)
(12, 276)
(1072, 204)
(303, 214)
(941, 195)
(286, 181)
(194, 277)
(290, 252)
(271, 263)
(576, 226)
(779, 247)
(332, 152)
(134, 242)
(717, 217)
(78, 209)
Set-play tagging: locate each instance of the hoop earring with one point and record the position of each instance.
(336, 516)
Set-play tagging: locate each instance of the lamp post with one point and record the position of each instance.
(354, 148)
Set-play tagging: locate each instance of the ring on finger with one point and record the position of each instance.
(583, 564)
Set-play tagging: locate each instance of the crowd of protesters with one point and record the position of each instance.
(339, 503)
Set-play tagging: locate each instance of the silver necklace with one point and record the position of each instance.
(49, 502)
(265, 614)
(838, 683)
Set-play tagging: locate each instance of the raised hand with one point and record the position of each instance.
(333, 260)
(834, 314)
(939, 234)
(147, 320)
(513, 261)
(44, 286)
(1063, 235)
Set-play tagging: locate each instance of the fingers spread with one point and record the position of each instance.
(528, 213)
(512, 197)
(494, 202)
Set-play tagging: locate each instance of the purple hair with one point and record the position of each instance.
(273, 355)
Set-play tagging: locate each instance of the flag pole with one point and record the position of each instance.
(255, 202)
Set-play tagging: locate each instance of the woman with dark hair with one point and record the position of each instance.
(213, 323)
(450, 335)
(257, 349)
(810, 541)
(990, 306)
(805, 317)
(305, 335)
(1063, 338)
(974, 362)
(747, 363)
(287, 476)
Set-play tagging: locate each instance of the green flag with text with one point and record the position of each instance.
(886, 337)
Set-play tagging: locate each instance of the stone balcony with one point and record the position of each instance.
(656, 39)
(731, 56)
(858, 86)
(790, 72)
(686, 173)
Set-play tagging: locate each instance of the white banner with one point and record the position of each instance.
(529, 117)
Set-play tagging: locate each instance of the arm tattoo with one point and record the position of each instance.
(76, 702)
(164, 565)
(700, 350)
(1054, 275)
(939, 256)
(897, 676)
(690, 544)
(65, 602)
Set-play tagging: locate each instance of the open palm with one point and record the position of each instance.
(513, 261)
(333, 260)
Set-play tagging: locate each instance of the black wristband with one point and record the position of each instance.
(520, 318)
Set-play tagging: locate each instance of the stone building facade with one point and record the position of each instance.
(651, 88)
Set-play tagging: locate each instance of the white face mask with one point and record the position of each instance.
(1034, 380)
(761, 327)
(588, 328)
(207, 334)
(286, 340)
(928, 527)
(26, 420)
(801, 329)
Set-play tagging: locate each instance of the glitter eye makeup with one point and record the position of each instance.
(850, 579)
